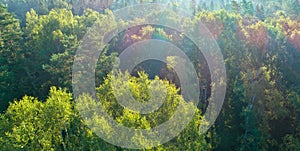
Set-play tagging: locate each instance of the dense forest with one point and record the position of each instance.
(259, 41)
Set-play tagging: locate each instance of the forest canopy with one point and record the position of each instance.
(259, 41)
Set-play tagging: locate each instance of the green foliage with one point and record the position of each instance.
(56, 125)
(35, 125)
(10, 56)
(259, 42)
(189, 139)
(51, 43)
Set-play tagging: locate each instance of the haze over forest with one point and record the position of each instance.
(259, 41)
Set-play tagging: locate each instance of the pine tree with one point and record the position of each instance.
(235, 7)
(247, 7)
(212, 6)
(292, 7)
(260, 12)
(10, 39)
(194, 6)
